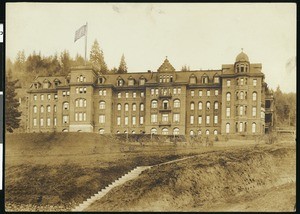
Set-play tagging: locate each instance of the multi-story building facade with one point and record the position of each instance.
(201, 102)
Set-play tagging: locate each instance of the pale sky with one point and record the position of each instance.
(200, 35)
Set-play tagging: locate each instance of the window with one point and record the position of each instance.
(192, 105)
(227, 112)
(207, 119)
(142, 107)
(65, 106)
(156, 91)
(193, 80)
(104, 94)
(119, 95)
(154, 104)
(49, 96)
(126, 121)
(165, 117)
(76, 116)
(216, 79)
(215, 132)
(208, 93)
(48, 121)
(34, 97)
(241, 95)
(126, 107)
(141, 120)
(199, 119)
(207, 132)
(176, 131)
(102, 105)
(207, 105)
(153, 118)
(42, 96)
(216, 92)
(165, 131)
(134, 94)
(34, 122)
(227, 128)
(142, 81)
(241, 110)
(41, 122)
(199, 132)
(192, 93)
(254, 82)
(131, 82)
(176, 103)
(102, 119)
(242, 81)
(68, 92)
(84, 116)
(228, 96)
(54, 121)
(119, 107)
(81, 78)
(133, 120)
(165, 104)
(253, 127)
(152, 91)
(216, 105)
(118, 121)
(55, 108)
(174, 91)
(200, 93)
(42, 109)
(192, 133)
(55, 96)
(34, 109)
(228, 83)
(48, 109)
(101, 131)
(205, 79)
(126, 95)
(192, 119)
(179, 90)
(133, 107)
(200, 105)
(64, 93)
(253, 111)
(176, 118)
(215, 119)
(120, 82)
(254, 96)
(142, 94)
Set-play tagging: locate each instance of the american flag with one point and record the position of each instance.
(80, 32)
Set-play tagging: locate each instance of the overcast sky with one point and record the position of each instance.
(202, 36)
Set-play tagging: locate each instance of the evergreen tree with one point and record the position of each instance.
(12, 114)
(97, 58)
(65, 61)
(185, 68)
(79, 61)
(122, 67)
(114, 70)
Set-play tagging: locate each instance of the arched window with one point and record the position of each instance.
(207, 105)
(48, 109)
(101, 131)
(34, 109)
(237, 69)
(192, 133)
(133, 107)
(177, 103)
(65, 106)
(241, 95)
(200, 105)
(254, 96)
(142, 107)
(216, 105)
(102, 105)
(153, 131)
(81, 78)
(253, 127)
(215, 132)
(192, 105)
(126, 107)
(176, 131)
(165, 131)
(42, 109)
(119, 107)
(227, 128)
(154, 104)
(228, 95)
(207, 132)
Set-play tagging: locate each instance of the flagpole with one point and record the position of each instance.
(85, 42)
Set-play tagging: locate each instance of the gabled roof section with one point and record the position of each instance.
(166, 67)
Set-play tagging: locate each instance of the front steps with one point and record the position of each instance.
(127, 177)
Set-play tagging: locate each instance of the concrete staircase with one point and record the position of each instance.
(128, 176)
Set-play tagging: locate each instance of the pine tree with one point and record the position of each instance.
(97, 58)
(65, 60)
(12, 114)
(122, 67)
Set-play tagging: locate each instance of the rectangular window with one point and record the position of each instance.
(104, 92)
(119, 95)
(192, 119)
(156, 91)
(228, 82)
(65, 119)
(227, 112)
(126, 95)
(208, 93)
(134, 94)
(216, 92)
(199, 119)
(42, 122)
(179, 90)
(133, 120)
(216, 119)
(176, 118)
(192, 93)
(142, 94)
(141, 120)
(76, 116)
(126, 121)
(253, 111)
(77, 90)
(34, 97)
(84, 116)
(165, 117)
(49, 96)
(64, 93)
(55, 96)
(152, 91)
(241, 110)
(80, 116)
(100, 92)
(207, 119)
(118, 121)
(200, 93)
(48, 121)
(216, 80)
(102, 119)
(153, 118)
(174, 90)
(42, 96)
(254, 82)
(68, 92)
(34, 122)
(54, 121)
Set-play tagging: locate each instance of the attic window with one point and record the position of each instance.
(192, 79)
(46, 84)
(101, 80)
(142, 81)
(120, 82)
(131, 81)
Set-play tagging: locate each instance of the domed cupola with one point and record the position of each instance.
(242, 63)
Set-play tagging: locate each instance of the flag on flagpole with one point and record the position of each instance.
(80, 32)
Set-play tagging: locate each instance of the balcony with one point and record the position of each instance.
(164, 95)
(165, 123)
(164, 109)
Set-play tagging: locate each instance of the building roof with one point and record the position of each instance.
(166, 67)
(242, 57)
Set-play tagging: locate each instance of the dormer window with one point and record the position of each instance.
(142, 81)
(216, 79)
(46, 84)
(120, 82)
(101, 80)
(193, 79)
(130, 81)
(171, 78)
(205, 79)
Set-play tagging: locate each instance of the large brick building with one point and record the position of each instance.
(229, 101)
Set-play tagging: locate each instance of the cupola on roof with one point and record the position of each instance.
(242, 57)
(166, 66)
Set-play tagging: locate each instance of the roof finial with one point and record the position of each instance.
(242, 49)
(166, 57)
